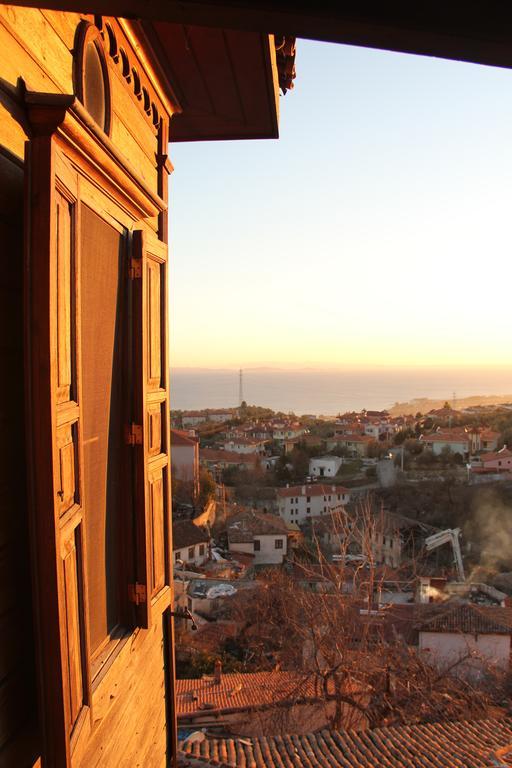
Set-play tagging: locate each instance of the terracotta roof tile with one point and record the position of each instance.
(466, 744)
(186, 534)
(243, 691)
(243, 528)
(471, 619)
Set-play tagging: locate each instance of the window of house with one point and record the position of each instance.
(91, 76)
(308, 499)
(308, 510)
(191, 553)
(177, 556)
(278, 544)
(201, 550)
(257, 545)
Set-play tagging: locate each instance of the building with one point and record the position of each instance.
(245, 445)
(476, 636)
(185, 458)
(357, 445)
(260, 533)
(193, 418)
(433, 745)
(190, 543)
(89, 103)
(287, 431)
(453, 440)
(498, 462)
(217, 460)
(300, 502)
(324, 466)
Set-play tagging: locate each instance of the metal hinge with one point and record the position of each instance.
(133, 434)
(137, 593)
(135, 269)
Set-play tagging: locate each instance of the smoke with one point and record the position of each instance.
(490, 528)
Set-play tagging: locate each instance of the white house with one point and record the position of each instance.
(300, 502)
(476, 636)
(190, 543)
(455, 440)
(245, 445)
(324, 466)
(287, 431)
(219, 417)
(193, 418)
(261, 534)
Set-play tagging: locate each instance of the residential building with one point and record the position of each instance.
(190, 543)
(324, 466)
(89, 102)
(219, 417)
(245, 445)
(297, 503)
(498, 462)
(476, 636)
(432, 745)
(445, 415)
(287, 431)
(185, 457)
(454, 440)
(356, 445)
(310, 441)
(263, 534)
(216, 460)
(193, 418)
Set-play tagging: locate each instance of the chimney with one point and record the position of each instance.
(217, 672)
(303, 490)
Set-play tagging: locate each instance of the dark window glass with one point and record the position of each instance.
(257, 545)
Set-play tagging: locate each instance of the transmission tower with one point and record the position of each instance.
(241, 388)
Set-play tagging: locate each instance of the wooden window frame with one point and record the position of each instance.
(60, 125)
(87, 34)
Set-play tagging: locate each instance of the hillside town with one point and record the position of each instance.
(339, 573)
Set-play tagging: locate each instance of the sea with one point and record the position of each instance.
(328, 392)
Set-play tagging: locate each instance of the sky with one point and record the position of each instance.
(376, 231)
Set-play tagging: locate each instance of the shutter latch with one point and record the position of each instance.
(133, 434)
(137, 593)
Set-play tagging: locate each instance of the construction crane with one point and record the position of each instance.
(451, 535)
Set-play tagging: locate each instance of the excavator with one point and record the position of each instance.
(451, 535)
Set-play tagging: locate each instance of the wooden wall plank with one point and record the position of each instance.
(36, 35)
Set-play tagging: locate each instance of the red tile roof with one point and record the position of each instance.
(312, 489)
(238, 691)
(471, 619)
(503, 454)
(179, 437)
(465, 744)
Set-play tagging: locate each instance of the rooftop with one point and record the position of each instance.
(244, 691)
(470, 619)
(179, 437)
(252, 523)
(186, 534)
(464, 744)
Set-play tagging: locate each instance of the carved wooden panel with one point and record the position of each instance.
(74, 644)
(157, 516)
(64, 246)
(154, 326)
(67, 452)
(154, 429)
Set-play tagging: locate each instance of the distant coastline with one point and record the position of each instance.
(425, 404)
(322, 392)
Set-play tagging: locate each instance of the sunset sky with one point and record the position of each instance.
(375, 231)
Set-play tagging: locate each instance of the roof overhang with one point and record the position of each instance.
(226, 82)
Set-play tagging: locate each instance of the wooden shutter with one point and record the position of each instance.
(150, 428)
(54, 426)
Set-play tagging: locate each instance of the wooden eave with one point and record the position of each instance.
(225, 81)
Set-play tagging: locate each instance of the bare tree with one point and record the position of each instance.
(322, 620)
